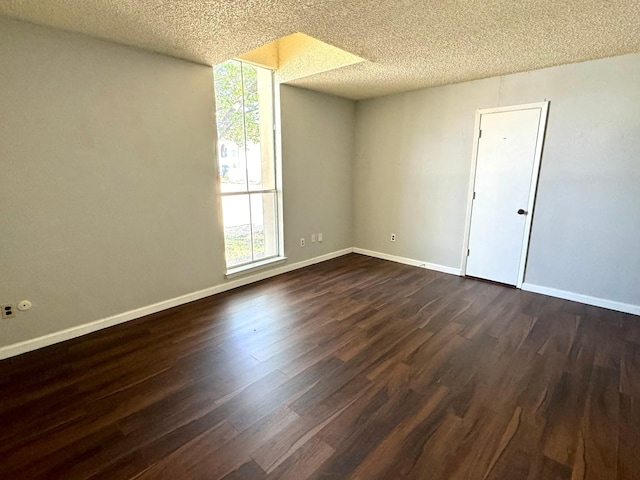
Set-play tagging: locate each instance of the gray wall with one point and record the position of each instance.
(413, 158)
(317, 147)
(108, 199)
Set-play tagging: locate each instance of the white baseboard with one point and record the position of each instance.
(408, 261)
(77, 331)
(84, 329)
(577, 297)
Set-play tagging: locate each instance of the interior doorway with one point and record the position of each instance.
(504, 175)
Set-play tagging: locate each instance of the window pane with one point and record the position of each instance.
(245, 119)
(258, 101)
(265, 225)
(237, 229)
(230, 123)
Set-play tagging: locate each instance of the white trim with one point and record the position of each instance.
(408, 261)
(472, 179)
(77, 331)
(73, 332)
(542, 123)
(578, 297)
(544, 109)
(511, 108)
(250, 267)
(277, 154)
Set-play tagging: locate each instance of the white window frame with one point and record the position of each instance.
(279, 257)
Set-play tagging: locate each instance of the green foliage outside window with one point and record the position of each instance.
(237, 108)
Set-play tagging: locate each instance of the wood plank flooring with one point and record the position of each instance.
(355, 368)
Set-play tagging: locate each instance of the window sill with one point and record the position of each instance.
(252, 267)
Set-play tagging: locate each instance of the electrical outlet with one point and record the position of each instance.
(313, 238)
(393, 237)
(302, 242)
(8, 310)
(320, 237)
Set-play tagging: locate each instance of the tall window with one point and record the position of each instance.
(245, 119)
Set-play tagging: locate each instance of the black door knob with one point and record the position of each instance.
(522, 212)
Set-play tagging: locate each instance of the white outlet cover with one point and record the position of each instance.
(8, 310)
(24, 305)
(320, 237)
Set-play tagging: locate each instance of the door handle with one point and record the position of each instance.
(522, 212)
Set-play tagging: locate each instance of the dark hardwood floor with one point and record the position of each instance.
(353, 368)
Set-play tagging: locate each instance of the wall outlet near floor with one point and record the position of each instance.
(313, 238)
(320, 237)
(8, 310)
(393, 237)
(302, 242)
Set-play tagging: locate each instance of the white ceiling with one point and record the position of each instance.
(407, 44)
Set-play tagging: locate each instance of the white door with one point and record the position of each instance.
(508, 153)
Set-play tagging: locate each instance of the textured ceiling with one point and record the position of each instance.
(407, 44)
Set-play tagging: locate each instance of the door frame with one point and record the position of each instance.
(544, 110)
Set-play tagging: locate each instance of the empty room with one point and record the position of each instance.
(320, 240)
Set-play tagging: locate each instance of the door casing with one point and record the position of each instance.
(544, 110)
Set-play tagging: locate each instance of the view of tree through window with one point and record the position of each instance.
(244, 117)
